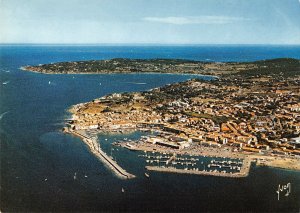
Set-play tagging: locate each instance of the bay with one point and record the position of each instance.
(38, 161)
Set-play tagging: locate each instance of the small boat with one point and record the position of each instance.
(147, 175)
(49, 82)
(5, 82)
(75, 176)
(123, 190)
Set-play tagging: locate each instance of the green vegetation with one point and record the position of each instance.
(280, 66)
(217, 119)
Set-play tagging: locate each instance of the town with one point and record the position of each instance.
(243, 115)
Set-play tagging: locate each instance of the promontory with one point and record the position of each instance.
(122, 65)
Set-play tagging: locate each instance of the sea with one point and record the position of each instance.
(45, 170)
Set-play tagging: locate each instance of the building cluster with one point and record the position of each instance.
(254, 114)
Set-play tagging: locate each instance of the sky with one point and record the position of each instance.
(150, 21)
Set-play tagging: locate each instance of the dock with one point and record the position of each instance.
(96, 150)
(243, 173)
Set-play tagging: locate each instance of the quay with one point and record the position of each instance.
(172, 158)
(96, 150)
(243, 173)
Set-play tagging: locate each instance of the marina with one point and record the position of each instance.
(172, 162)
(197, 172)
(198, 165)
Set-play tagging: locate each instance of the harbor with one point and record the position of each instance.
(197, 165)
(95, 148)
(169, 160)
(197, 172)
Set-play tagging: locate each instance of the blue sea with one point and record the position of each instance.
(38, 161)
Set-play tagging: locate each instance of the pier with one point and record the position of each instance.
(96, 150)
(243, 173)
(173, 157)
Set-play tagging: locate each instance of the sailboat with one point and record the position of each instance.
(75, 176)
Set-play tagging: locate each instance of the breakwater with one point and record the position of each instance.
(96, 150)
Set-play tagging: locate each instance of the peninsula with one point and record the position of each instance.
(122, 65)
(252, 112)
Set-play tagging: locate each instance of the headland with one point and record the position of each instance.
(251, 112)
(179, 66)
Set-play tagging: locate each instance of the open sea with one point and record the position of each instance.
(38, 161)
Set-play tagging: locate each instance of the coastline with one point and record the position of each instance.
(247, 158)
(40, 173)
(127, 73)
(195, 112)
(143, 110)
(260, 160)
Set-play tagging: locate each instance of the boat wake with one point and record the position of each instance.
(51, 83)
(2, 115)
(136, 83)
(58, 124)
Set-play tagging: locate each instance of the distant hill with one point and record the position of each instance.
(285, 66)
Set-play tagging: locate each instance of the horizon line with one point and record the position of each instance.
(154, 44)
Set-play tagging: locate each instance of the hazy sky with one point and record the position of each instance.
(150, 21)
